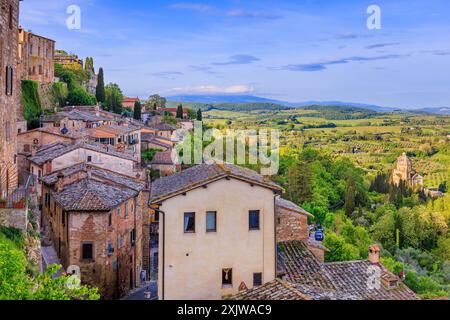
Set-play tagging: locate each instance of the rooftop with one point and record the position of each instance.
(92, 195)
(289, 205)
(165, 127)
(202, 174)
(55, 150)
(163, 158)
(96, 173)
(274, 290)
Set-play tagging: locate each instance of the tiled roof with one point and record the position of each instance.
(286, 204)
(163, 158)
(73, 115)
(200, 175)
(157, 140)
(302, 267)
(92, 195)
(274, 290)
(337, 281)
(165, 127)
(113, 130)
(96, 173)
(56, 150)
(352, 277)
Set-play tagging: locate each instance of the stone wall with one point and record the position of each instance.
(10, 102)
(14, 218)
(291, 225)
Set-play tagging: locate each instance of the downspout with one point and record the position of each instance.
(163, 254)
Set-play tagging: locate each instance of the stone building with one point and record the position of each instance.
(74, 120)
(65, 59)
(94, 219)
(61, 155)
(152, 141)
(164, 164)
(216, 231)
(129, 102)
(36, 57)
(9, 95)
(404, 172)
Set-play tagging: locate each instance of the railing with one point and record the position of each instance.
(18, 199)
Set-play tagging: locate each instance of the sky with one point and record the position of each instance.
(290, 50)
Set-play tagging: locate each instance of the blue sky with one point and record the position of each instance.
(287, 50)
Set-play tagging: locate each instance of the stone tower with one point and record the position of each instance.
(403, 170)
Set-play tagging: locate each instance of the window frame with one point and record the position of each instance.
(250, 212)
(230, 284)
(260, 275)
(208, 213)
(82, 251)
(185, 225)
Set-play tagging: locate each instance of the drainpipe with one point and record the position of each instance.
(163, 253)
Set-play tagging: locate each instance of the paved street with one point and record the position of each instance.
(138, 294)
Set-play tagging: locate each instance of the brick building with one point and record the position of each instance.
(9, 95)
(94, 219)
(36, 57)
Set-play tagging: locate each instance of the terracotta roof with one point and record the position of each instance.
(96, 173)
(289, 205)
(158, 140)
(302, 267)
(202, 174)
(338, 280)
(92, 195)
(112, 130)
(274, 290)
(163, 158)
(165, 127)
(352, 277)
(53, 151)
(73, 115)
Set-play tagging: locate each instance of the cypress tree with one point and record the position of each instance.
(180, 112)
(199, 115)
(137, 112)
(100, 89)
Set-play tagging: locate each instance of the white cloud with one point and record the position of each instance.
(210, 89)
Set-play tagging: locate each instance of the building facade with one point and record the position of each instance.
(94, 219)
(211, 247)
(9, 95)
(36, 54)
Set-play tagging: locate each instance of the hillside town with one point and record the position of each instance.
(105, 194)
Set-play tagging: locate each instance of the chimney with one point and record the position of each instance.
(88, 170)
(374, 254)
(59, 183)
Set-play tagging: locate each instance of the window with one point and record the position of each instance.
(227, 277)
(119, 240)
(189, 222)
(47, 199)
(89, 159)
(115, 264)
(257, 279)
(126, 209)
(63, 218)
(87, 251)
(10, 20)
(253, 219)
(110, 248)
(109, 219)
(211, 221)
(133, 237)
(9, 80)
(118, 212)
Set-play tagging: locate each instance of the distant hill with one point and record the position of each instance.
(249, 99)
(441, 111)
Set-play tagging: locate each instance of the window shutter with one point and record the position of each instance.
(7, 80)
(11, 79)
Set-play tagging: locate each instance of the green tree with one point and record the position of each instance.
(300, 183)
(78, 96)
(155, 102)
(137, 111)
(350, 196)
(113, 98)
(339, 249)
(100, 89)
(179, 112)
(192, 114)
(199, 115)
(32, 108)
(443, 187)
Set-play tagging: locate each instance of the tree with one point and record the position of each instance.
(179, 111)
(137, 112)
(78, 96)
(100, 89)
(199, 115)
(155, 102)
(192, 114)
(300, 183)
(443, 187)
(339, 249)
(350, 195)
(113, 98)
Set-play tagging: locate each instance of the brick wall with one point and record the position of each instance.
(9, 104)
(291, 225)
